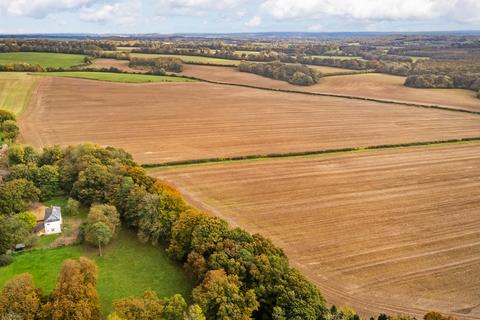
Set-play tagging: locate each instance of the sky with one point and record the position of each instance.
(227, 16)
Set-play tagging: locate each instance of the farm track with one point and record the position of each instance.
(394, 231)
(182, 121)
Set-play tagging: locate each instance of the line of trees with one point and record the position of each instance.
(158, 65)
(237, 275)
(293, 73)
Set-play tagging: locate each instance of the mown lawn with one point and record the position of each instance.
(45, 59)
(115, 77)
(15, 90)
(187, 59)
(127, 268)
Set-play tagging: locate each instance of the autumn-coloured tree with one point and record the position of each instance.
(75, 296)
(220, 297)
(104, 213)
(437, 316)
(99, 234)
(194, 312)
(150, 306)
(20, 297)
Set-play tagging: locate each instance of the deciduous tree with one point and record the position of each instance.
(75, 296)
(19, 296)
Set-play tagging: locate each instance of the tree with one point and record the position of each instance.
(17, 195)
(6, 115)
(29, 218)
(437, 316)
(19, 153)
(174, 308)
(75, 296)
(221, 297)
(94, 184)
(99, 234)
(20, 297)
(12, 231)
(47, 179)
(104, 213)
(10, 130)
(148, 307)
(72, 207)
(194, 312)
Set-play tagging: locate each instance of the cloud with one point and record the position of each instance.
(315, 28)
(195, 7)
(40, 8)
(254, 22)
(468, 10)
(119, 13)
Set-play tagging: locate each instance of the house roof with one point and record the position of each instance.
(53, 214)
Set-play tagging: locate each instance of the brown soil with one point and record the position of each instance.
(371, 85)
(177, 121)
(394, 231)
(119, 64)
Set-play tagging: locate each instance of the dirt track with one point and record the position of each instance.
(178, 121)
(372, 85)
(394, 231)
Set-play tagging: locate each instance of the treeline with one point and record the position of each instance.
(158, 65)
(292, 73)
(237, 275)
(44, 45)
(389, 67)
(224, 53)
(21, 67)
(445, 74)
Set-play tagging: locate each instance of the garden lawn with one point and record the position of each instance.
(127, 268)
(115, 77)
(15, 90)
(45, 59)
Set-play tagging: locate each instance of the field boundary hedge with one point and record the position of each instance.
(304, 153)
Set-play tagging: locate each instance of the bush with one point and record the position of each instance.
(10, 130)
(29, 218)
(5, 260)
(72, 207)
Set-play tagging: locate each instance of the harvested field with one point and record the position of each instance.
(179, 121)
(384, 86)
(394, 231)
(119, 64)
(371, 85)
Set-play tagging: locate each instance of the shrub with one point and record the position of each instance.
(10, 130)
(29, 218)
(5, 260)
(72, 207)
(6, 115)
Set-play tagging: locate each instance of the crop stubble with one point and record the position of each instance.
(393, 231)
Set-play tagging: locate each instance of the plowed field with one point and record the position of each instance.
(178, 121)
(395, 231)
